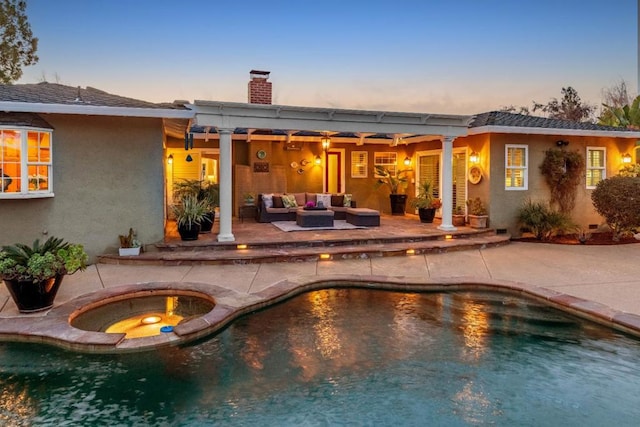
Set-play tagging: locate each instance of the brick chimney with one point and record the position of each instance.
(259, 87)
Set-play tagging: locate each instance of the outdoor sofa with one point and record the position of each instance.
(279, 206)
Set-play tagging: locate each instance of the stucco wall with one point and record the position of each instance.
(107, 177)
(505, 204)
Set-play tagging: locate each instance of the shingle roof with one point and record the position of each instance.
(503, 118)
(53, 93)
(24, 119)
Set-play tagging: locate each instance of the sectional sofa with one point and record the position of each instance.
(280, 206)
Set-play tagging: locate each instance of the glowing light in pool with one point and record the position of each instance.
(150, 320)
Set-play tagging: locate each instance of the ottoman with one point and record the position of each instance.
(314, 218)
(363, 217)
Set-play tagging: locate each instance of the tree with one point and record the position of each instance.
(569, 108)
(627, 116)
(17, 45)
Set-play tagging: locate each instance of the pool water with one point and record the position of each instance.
(346, 357)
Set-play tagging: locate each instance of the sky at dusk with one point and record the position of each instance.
(438, 56)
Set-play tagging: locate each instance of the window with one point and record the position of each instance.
(25, 163)
(596, 162)
(387, 160)
(516, 169)
(359, 163)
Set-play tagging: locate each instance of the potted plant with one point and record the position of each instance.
(129, 244)
(204, 191)
(477, 213)
(396, 183)
(34, 274)
(249, 199)
(457, 218)
(189, 214)
(425, 203)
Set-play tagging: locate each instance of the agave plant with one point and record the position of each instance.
(41, 261)
(190, 211)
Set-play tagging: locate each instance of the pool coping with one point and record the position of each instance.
(54, 327)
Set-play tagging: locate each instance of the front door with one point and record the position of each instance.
(334, 171)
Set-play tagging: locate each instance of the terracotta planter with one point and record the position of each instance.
(31, 297)
(478, 221)
(189, 233)
(457, 220)
(426, 214)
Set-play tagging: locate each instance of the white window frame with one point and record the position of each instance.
(386, 159)
(24, 192)
(602, 168)
(359, 164)
(524, 168)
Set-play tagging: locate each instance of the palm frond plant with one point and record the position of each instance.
(395, 183)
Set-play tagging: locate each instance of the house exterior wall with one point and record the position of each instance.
(504, 205)
(107, 176)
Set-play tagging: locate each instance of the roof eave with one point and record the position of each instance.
(552, 131)
(94, 110)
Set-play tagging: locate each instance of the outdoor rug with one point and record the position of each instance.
(292, 226)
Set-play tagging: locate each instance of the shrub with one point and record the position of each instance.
(542, 220)
(563, 172)
(617, 199)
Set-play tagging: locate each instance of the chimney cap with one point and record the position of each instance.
(259, 73)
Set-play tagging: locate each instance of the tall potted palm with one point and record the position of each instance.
(33, 274)
(396, 184)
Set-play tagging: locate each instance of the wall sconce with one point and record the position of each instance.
(326, 142)
(562, 143)
(170, 159)
(626, 158)
(318, 160)
(407, 161)
(474, 157)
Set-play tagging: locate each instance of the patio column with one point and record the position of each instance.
(447, 184)
(226, 211)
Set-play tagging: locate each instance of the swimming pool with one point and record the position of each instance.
(347, 356)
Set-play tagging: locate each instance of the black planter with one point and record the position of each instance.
(31, 297)
(189, 233)
(426, 214)
(207, 222)
(398, 203)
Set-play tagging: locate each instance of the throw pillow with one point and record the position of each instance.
(337, 200)
(325, 199)
(277, 202)
(311, 197)
(347, 200)
(300, 199)
(289, 201)
(268, 200)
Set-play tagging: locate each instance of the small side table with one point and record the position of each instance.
(247, 211)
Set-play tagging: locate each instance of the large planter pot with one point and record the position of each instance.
(426, 214)
(207, 222)
(398, 203)
(478, 221)
(31, 297)
(189, 233)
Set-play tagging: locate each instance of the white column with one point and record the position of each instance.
(226, 208)
(447, 184)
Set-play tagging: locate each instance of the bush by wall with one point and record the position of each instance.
(543, 221)
(617, 199)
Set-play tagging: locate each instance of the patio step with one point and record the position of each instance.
(309, 250)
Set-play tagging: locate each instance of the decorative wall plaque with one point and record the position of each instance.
(261, 166)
